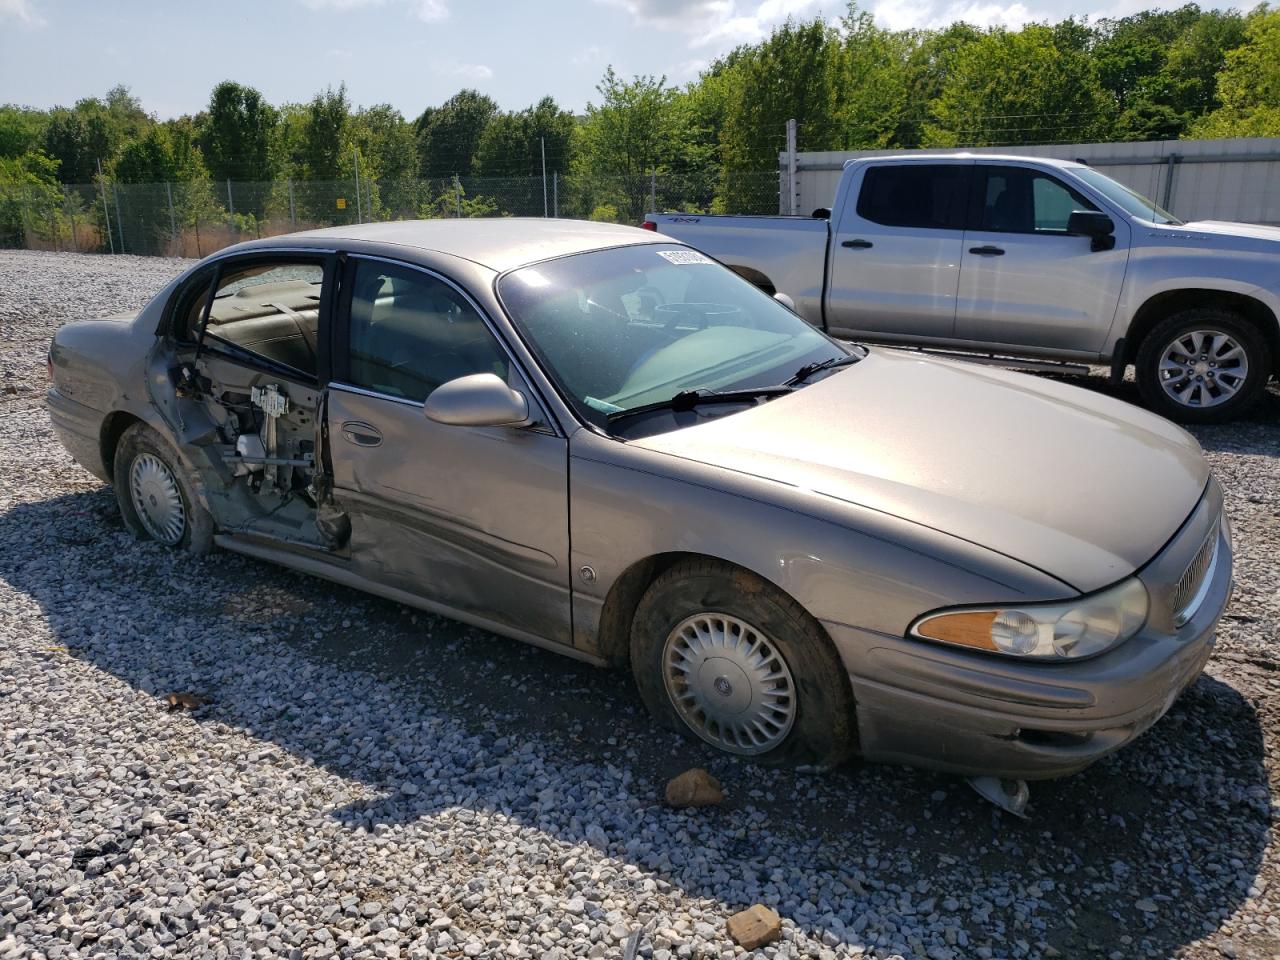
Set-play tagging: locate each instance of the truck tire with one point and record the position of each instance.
(155, 493)
(721, 654)
(1203, 365)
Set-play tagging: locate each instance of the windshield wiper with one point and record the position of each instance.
(688, 399)
(809, 369)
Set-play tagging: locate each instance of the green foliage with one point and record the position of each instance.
(1249, 85)
(324, 136)
(449, 135)
(452, 201)
(29, 196)
(1014, 88)
(511, 144)
(21, 129)
(237, 133)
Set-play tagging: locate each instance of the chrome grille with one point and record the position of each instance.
(1187, 591)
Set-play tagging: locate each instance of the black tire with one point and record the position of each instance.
(1210, 319)
(197, 525)
(823, 729)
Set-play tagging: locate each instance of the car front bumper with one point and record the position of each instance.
(934, 706)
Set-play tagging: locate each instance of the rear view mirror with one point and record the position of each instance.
(786, 301)
(478, 400)
(1095, 224)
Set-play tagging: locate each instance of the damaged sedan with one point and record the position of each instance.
(602, 442)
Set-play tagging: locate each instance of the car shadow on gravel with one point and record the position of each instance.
(1145, 852)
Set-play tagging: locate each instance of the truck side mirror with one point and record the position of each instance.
(1095, 224)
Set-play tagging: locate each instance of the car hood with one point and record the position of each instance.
(1221, 235)
(1073, 483)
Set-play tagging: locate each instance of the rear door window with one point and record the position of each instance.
(919, 195)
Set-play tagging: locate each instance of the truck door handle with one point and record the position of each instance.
(987, 251)
(361, 434)
(860, 244)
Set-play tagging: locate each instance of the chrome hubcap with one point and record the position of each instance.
(156, 499)
(1203, 368)
(729, 683)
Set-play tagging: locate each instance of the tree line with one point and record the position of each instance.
(1157, 74)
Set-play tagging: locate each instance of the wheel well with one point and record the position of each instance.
(115, 425)
(1166, 304)
(756, 277)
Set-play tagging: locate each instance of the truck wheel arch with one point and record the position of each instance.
(755, 277)
(1169, 302)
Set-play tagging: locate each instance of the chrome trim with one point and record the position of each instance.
(1186, 612)
(374, 394)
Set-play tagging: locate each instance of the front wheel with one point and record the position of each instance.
(1203, 365)
(155, 495)
(725, 656)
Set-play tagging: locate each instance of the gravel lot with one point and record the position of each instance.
(373, 782)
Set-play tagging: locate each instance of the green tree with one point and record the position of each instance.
(625, 137)
(237, 133)
(324, 136)
(1249, 85)
(30, 198)
(449, 135)
(388, 159)
(81, 137)
(871, 83)
(21, 129)
(929, 62)
(1016, 88)
(511, 144)
(164, 185)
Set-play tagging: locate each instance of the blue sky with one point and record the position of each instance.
(413, 53)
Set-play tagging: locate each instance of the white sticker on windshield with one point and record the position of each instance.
(681, 257)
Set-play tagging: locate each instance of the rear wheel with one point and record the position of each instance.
(1203, 365)
(155, 494)
(724, 655)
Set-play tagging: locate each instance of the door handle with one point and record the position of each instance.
(987, 251)
(859, 244)
(361, 434)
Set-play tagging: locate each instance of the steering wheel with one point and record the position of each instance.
(676, 314)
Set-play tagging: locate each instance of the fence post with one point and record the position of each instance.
(457, 194)
(293, 219)
(653, 189)
(355, 152)
(53, 226)
(106, 213)
(793, 188)
(173, 218)
(542, 141)
(555, 192)
(71, 215)
(115, 192)
(1171, 166)
(231, 209)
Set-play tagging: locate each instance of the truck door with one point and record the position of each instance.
(894, 261)
(1027, 283)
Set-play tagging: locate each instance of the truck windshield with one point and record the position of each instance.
(621, 328)
(1130, 201)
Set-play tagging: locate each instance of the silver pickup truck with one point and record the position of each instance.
(1028, 258)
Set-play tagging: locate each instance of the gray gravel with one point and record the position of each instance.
(373, 782)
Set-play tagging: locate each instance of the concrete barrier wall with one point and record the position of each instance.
(1194, 179)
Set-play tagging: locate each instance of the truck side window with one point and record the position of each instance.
(922, 195)
(1019, 200)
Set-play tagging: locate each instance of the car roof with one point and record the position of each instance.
(499, 243)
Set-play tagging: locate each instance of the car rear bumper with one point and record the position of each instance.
(79, 429)
(933, 706)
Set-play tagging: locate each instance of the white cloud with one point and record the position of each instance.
(467, 71)
(21, 10)
(589, 54)
(428, 11)
(911, 14)
(338, 53)
(722, 23)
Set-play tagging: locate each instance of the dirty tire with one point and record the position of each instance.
(140, 440)
(1214, 319)
(823, 729)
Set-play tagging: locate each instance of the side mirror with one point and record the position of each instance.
(478, 400)
(1095, 224)
(786, 301)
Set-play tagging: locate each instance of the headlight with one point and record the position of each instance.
(1055, 631)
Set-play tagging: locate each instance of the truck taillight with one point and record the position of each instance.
(649, 225)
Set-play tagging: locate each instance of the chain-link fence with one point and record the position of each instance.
(194, 218)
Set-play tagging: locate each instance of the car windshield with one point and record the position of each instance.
(622, 328)
(1129, 200)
